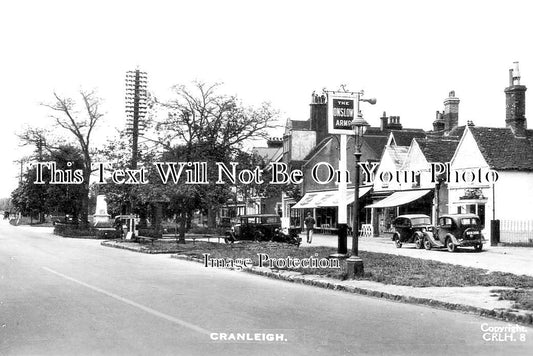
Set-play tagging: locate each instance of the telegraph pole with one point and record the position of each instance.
(136, 107)
(136, 103)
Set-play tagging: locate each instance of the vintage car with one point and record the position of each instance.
(67, 219)
(456, 230)
(411, 228)
(260, 227)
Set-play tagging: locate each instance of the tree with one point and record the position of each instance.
(81, 127)
(38, 137)
(6, 204)
(212, 128)
(30, 198)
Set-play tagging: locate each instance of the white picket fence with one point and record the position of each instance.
(366, 230)
(516, 231)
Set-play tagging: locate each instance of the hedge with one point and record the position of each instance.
(76, 231)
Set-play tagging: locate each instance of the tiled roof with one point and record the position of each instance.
(318, 147)
(457, 131)
(404, 137)
(503, 150)
(438, 149)
(376, 143)
(267, 153)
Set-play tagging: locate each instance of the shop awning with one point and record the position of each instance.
(399, 198)
(362, 192)
(329, 198)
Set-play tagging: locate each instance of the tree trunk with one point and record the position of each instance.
(183, 220)
(211, 217)
(84, 213)
(158, 216)
(143, 223)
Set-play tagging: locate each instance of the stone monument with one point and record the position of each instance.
(101, 217)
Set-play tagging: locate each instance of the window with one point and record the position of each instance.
(421, 221)
(445, 222)
(470, 221)
(416, 183)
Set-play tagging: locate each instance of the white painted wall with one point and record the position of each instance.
(514, 195)
(467, 155)
(386, 164)
(513, 198)
(302, 142)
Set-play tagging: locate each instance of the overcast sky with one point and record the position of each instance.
(407, 54)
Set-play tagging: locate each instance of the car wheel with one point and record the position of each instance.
(229, 239)
(427, 244)
(478, 247)
(419, 242)
(450, 245)
(398, 243)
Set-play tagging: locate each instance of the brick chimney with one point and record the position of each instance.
(390, 123)
(274, 142)
(438, 124)
(515, 103)
(451, 111)
(384, 121)
(319, 116)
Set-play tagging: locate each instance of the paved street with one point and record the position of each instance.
(70, 296)
(517, 260)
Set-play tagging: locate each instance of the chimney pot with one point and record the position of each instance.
(515, 103)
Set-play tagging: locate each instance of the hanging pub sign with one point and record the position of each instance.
(342, 109)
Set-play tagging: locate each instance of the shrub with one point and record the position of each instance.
(90, 232)
(150, 233)
(207, 231)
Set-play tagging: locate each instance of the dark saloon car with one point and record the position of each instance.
(260, 227)
(411, 228)
(65, 220)
(457, 230)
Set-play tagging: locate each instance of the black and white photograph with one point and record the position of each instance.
(266, 177)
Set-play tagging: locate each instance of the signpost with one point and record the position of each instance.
(344, 118)
(341, 112)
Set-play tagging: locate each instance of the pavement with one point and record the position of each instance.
(61, 296)
(516, 260)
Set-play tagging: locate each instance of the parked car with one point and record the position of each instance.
(261, 227)
(411, 228)
(456, 230)
(65, 220)
(224, 223)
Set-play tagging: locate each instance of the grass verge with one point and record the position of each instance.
(379, 267)
(523, 298)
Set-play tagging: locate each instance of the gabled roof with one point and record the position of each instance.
(376, 143)
(267, 153)
(438, 149)
(318, 148)
(377, 139)
(503, 150)
(456, 131)
(405, 136)
(398, 154)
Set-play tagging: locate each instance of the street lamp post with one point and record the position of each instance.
(354, 262)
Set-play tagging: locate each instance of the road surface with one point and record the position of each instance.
(75, 297)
